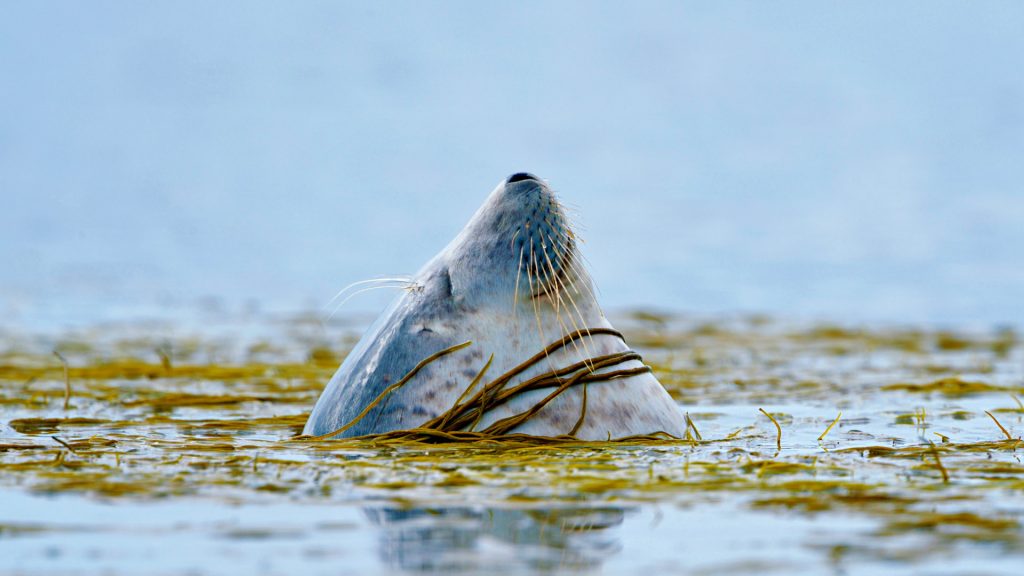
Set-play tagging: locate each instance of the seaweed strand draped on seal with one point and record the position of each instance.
(510, 284)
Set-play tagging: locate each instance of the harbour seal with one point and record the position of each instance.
(511, 283)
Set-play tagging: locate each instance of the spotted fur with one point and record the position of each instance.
(511, 282)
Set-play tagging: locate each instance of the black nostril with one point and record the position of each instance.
(520, 176)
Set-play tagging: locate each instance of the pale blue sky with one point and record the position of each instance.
(855, 161)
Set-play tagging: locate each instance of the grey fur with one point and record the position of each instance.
(478, 289)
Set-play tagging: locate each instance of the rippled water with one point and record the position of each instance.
(175, 455)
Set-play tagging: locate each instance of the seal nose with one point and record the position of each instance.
(520, 176)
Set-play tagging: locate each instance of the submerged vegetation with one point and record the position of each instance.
(925, 451)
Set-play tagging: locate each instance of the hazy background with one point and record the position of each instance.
(859, 162)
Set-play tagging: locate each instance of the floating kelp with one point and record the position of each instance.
(913, 460)
(952, 387)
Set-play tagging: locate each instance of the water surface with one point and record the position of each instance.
(175, 455)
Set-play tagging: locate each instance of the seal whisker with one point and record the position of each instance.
(536, 307)
(549, 286)
(579, 313)
(358, 292)
(529, 280)
(553, 284)
(398, 279)
(570, 207)
(566, 243)
(565, 328)
(515, 296)
(586, 265)
(512, 242)
(557, 282)
(579, 275)
(550, 289)
(575, 223)
(582, 277)
(567, 261)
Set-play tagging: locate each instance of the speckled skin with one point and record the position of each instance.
(479, 289)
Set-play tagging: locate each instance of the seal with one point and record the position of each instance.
(509, 285)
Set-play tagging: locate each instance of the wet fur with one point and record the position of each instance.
(511, 282)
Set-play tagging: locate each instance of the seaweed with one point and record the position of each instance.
(217, 419)
(457, 423)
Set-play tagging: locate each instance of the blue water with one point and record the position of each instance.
(858, 162)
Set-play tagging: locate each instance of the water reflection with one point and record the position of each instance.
(494, 539)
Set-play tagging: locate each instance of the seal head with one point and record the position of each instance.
(510, 283)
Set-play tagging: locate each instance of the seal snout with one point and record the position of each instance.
(520, 176)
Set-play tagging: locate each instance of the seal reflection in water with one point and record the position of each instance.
(541, 358)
